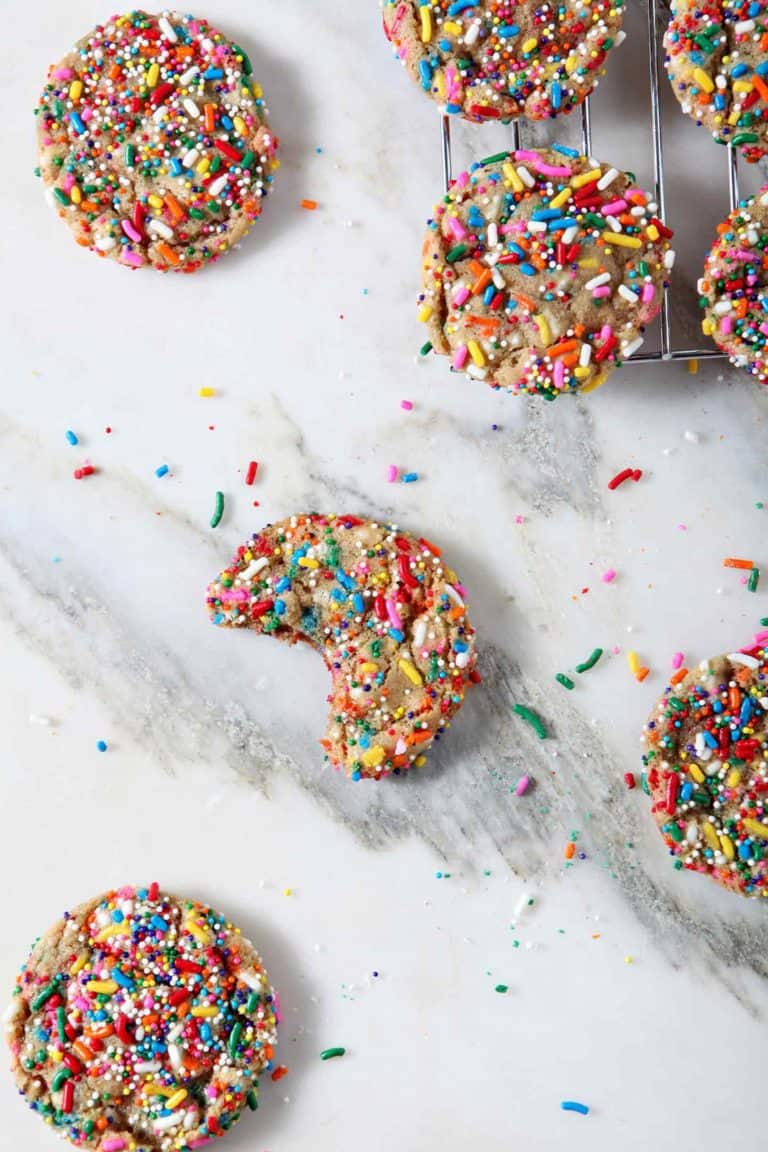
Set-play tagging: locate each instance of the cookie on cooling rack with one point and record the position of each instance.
(495, 59)
(732, 291)
(540, 270)
(706, 769)
(717, 62)
(153, 140)
(142, 1022)
(387, 614)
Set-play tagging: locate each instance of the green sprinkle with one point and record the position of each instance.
(332, 1053)
(252, 1100)
(745, 138)
(44, 996)
(495, 159)
(61, 195)
(247, 160)
(590, 661)
(501, 988)
(456, 253)
(130, 155)
(425, 348)
(218, 511)
(196, 214)
(253, 1003)
(234, 1039)
(754, 578)
(764, 622)
(61, 1075)
(61, 1020)
(247, 66)
(565, 681)
(531, 718)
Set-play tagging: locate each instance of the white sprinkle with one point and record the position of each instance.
(743, 26)
(596, 281)
(608, 177)
(191, 108)
(164, 1123)
(190, 74)
(722, 307)
(161, 228)
(691, 436)
(585, 355)
(669, 258)
(449, 588)
(521, 904)
(742, 658)
(493, 235)
(167, 30)
(525, 176)
(105, 243)
(627, 294)
(147, 1066)
(254, 568)
(630, 349)
(189, 159)
(251, 979)
(218, 186)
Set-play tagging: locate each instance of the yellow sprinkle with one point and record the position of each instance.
(530, 44)
(153, 75)
(476, 353)
(426, 24)
(205, 1010)
(580, 372)
(596, 383)
(622, 240)
(742, 86)
(652, 232)
(420, 761)
(55, 1055)
(79, 964)
(257, 90)
(156, 1090)
(710, 835)
(424, 313)
(634, 662)
(372, 757)
(207, 392)
(103, 987)
(562, 197)
(588, 262)
(439, 80)
(75, 195)
(452, 28)
(571, 63)
(696, 773)
(727, 846)
(196, 931)
(411, 672)
(586, 177)
(627, 959)
(75, 90)
(176, 1099)
(693, 366)
(368, 668)
(203, 166)
(756, 828)
(239, 124)
(113, 930)
(308, 562)
(703, 80)
(707, 326)
(734, 117)
(511, 176)
(287, 891)
(544, 332)
(733, 778)
(155, 201)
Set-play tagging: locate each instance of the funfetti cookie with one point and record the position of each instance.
(496, 59)
(153, 140)
(717, 63)
(141, 1022)
(388, 615)
(540, 270)
(732, 291)
(706, 770)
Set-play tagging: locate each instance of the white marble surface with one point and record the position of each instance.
(213, 781)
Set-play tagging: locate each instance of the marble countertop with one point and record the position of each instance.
(630, 986)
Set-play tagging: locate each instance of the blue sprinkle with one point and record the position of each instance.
(355, 776)
(101, 745)
(213, 74)
(71, 438)
(159, 923)
(425, 73)
(409, 477)
(745, 850)
(283, 584)
(452, 110)
(459, 6)
(358, 603)
(545, 214)
(161, 471)
(121, 979)
(574, 1106)
(508, 30)
(218, 618)
(227, 123)
(561, 224)
(720, 102)
(518, 251)
(739, 69)
(564, 150)
(345, 581)
(337, 595)
(364, 741)
(77, 123)
(716, 706)
(396, 635)
(280, 607)
(686, 791)
(709, 739)
(555, 95)
(527, 269)
(177, 168)
(205, 1032)
(762, 69)
(460, 646)
(489, 294)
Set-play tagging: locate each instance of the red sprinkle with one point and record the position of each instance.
(279, 1072)
(86, 470)
(253, 468)
(629, 780)
(67, 1096)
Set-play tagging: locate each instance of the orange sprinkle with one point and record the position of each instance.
(678, 676)
(734, 562)
(570, 850)
(641, 674)
(482, 282)
(168, 253)
(310, 205)
(418, 737)
(82, 1050)
(209, 117)
(486, 322)
(173, 206)
(561, 349)
(102, 1123)
(279, 1072)
(734, 699)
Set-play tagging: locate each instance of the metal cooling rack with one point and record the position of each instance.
(666, 350)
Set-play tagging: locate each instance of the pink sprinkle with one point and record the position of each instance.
(761, 637)
(63, 73)
(522, 785)
(648, 293)
(677, 660)
(600, 291)
(519, 519)
(614, 207)
(406, 404)
(559, 373)
(394, 617)
(391, 473)
(461, 294)
(460, 358)
(115, 1144)
(457, 227)
(132, 258)
(130, 231)
(609, 575)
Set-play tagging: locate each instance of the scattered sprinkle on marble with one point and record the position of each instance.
(575, 1106)
(71, 437)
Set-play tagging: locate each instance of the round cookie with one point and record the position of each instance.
(388, 616)
(141, 1023)
(540, 270)
(717, 64)
(706, 764)
(732, 291)
(497, 59)
(154, 146)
